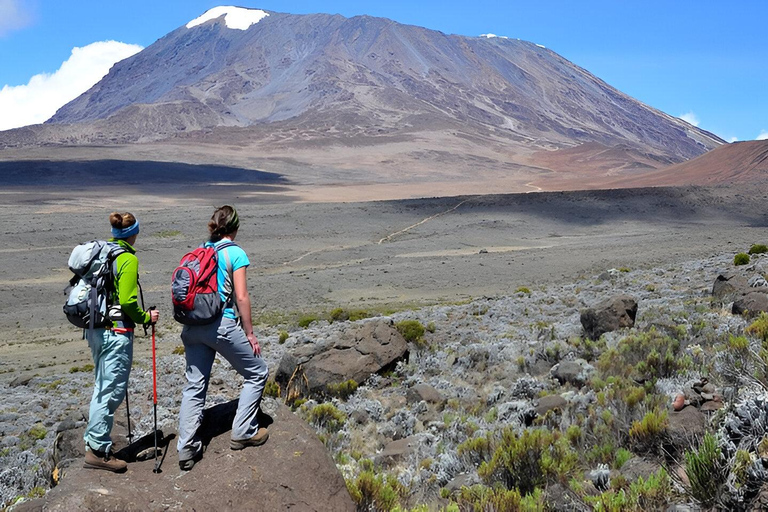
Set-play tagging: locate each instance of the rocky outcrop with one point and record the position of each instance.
(355, 354)
(293, 470)
(609, 315)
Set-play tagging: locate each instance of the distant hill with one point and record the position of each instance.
(295, 85)
(735, 163)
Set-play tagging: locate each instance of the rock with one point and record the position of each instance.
(21, 380)
(751, 304)
(711, 406)
(358, 353)
(609, 315)
(757, 281)
(574, 372)
(360, 417)
(397, 450)
(760, 503)
(559, 497)
(550, 403)
(685, 427)
(423, 392)
(293, 470)
(728, 287)
(461, 480)
(679, 402)
(637, 467)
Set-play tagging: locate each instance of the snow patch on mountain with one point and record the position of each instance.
(491, 36)
(235, 17)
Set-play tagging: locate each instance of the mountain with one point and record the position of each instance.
(291, 86)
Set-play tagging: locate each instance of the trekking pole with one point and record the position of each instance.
(154, 393)
(128, 413)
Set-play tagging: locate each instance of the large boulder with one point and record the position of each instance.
(609, 315)
(751, 304)
(292, 471)
(728, 287)
(356, 354)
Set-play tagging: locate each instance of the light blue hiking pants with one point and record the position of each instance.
(201, 343)
(112, 356)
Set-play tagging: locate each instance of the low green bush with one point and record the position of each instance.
(758, 249)
(282, 337)
(741, 259)
(272, 388)
(327, 417)
(706, 471)
(343, 389)
(371, 491)
(306, 320)
(412, 331)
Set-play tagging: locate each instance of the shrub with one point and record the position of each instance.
(705, 469)
(622, 456)
(37, 432)
(339, 315)
(647, 432)
(342, 390)
(282, 337)
(526, 462)
(412, 331)
(306, 320)
(643, 357)
(741, 259)
(88, 367)
(758, 249)
(759, 328)
(272, 388)
(327, 417)
(523, 289)
(376, 492)
(179, 350)
(652, 493)
(480, 497)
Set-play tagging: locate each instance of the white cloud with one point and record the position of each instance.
(690, 118)
(13, 16)
(763, 135)
(45, 93)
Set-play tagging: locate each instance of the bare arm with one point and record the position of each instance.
(243, 300)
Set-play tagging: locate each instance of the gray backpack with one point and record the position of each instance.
(90, 289)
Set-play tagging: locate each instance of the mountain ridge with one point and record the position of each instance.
(300, 86)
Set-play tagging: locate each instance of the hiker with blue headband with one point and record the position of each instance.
(112, 346)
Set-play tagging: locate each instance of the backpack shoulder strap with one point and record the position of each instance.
(229, 283)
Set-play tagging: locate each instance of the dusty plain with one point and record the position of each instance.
(310, 257)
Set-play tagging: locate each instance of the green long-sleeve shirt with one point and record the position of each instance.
(127, 283)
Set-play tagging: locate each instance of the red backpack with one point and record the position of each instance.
(195, 286)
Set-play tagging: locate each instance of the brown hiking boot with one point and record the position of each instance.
(95, 459)
(260, 438)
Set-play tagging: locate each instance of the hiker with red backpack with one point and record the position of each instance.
(217, 319)
(110, 338)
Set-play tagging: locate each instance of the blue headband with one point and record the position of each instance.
(128, 232)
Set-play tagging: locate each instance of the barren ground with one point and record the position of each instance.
(312, 257)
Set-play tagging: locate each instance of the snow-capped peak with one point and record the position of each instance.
(491, 36)
(235, 17)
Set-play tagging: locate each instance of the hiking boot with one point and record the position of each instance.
(95, 459)
(188, 464)
(260, 438)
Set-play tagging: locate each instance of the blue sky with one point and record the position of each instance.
(703, 60)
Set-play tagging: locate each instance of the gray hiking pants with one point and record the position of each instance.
(201, 343)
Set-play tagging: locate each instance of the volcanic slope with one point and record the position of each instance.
(317, 88)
